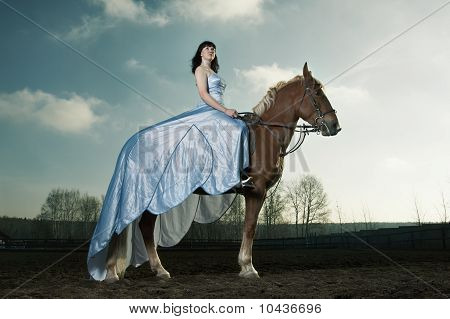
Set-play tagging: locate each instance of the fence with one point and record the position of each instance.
(43, 244)
(430, 236)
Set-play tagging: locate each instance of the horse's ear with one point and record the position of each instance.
(307, 74)
(305, 70)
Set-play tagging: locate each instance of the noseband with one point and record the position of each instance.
(319, 122)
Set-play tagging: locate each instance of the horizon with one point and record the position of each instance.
(282, 223)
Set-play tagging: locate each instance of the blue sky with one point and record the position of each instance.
(63, 121)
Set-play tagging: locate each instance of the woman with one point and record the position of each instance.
(159, 169)
(205, 64)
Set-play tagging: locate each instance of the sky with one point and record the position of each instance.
(63, 120)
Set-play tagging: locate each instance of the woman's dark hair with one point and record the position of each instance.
(197, 59)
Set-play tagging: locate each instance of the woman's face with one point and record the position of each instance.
(208, 53)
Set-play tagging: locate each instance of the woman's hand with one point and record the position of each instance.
(231, 113)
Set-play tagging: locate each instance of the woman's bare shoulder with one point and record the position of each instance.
(200, 71)
(200, 75)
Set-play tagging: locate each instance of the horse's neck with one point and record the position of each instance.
(282, 113)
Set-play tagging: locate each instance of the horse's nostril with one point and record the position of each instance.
(336, 127)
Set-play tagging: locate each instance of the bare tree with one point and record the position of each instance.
(89, 207)
(51, 210)
(354, 222)
(70, 205)
(293, 197)
(272, 212)
(368, 222)
(418, 213)
(340, 217)
(314, 202)
(309, 202)
(234, 218)
(444, 215)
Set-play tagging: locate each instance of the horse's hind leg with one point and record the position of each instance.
(147, 226)
(253, 205)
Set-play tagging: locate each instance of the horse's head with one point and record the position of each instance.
(315, 107)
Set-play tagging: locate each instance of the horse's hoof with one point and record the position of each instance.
(111, 279)
(163, 275)
(251, 274)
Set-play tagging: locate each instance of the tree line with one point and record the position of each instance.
(66, 213)
(63, 206)
(70, 205)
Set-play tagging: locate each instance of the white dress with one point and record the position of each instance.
(160, 167)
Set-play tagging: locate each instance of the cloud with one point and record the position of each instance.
(151, 74)
(71, 115)
(89, 28)
(345, 95)
(113, 12)
(130, 10)
(259, 78)
(217, 10)
(134, 64)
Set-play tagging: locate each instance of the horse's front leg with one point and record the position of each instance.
(147, 226)
(253, 204)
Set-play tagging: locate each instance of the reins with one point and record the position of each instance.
(302, 129)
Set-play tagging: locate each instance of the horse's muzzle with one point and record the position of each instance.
(330, 128)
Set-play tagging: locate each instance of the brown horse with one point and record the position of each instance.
(280, 109)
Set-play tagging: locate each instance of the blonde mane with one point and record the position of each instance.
(269, 99)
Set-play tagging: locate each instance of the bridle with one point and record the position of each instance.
(319, 122)
(319, 114)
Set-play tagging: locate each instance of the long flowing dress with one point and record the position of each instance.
(160, 167)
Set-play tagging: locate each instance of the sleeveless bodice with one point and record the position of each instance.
(216, 87)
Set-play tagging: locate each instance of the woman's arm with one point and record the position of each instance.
(201, 79)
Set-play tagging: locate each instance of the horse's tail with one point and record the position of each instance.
(122, 262)
(118, 252)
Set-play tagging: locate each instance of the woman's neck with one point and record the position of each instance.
(206, 64)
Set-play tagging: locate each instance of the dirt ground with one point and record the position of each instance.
(285, 273)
